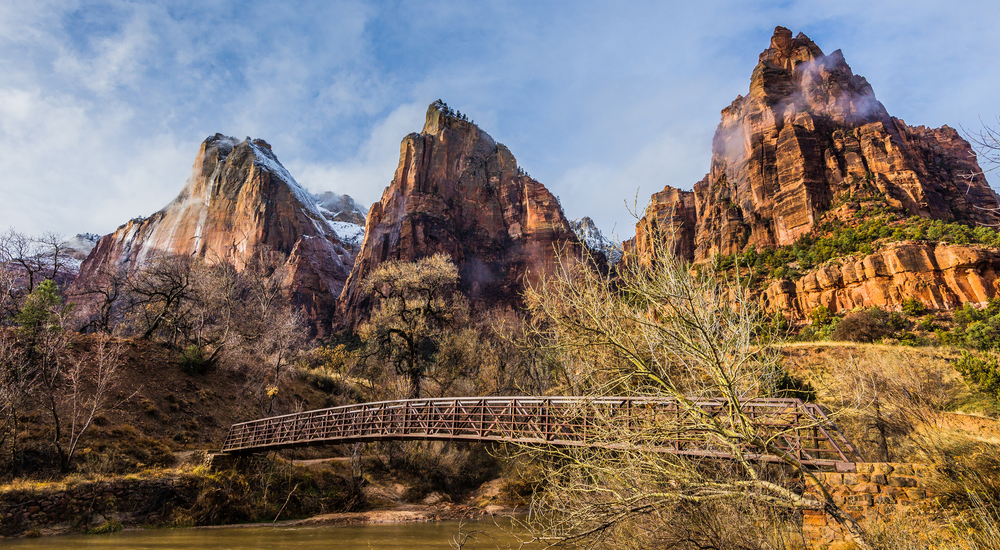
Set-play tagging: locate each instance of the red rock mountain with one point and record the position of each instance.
(238, 200)
(809, 133)
(458, 191)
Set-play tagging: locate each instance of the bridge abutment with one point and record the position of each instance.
(875, 492)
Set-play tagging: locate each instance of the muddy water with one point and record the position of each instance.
(403, 536)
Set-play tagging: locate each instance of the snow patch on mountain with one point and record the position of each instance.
(329, 212)
(349, 233)
(266, 159)
(342, 208)
(588, 233)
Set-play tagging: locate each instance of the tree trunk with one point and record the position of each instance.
(415, 384)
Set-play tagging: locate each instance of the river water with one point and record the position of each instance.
(403, 536)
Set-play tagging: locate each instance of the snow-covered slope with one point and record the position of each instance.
(341, 208)
(591, 236)
(239, 202)
(80, 246)
(345, 216)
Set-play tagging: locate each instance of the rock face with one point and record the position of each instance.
(941, 276)
(810, 131)
(238, 201)
(809, 135)
(458, 191)
(671, 217)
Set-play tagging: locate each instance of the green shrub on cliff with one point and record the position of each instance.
(976, 328)
(834, 239)
(982, 372)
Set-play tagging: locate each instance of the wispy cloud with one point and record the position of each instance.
(102, 104)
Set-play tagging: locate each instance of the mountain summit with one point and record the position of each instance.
(809, 150)
(809, 133)
(238, 202)
(458, 191)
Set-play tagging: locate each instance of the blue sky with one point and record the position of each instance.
(103, 104)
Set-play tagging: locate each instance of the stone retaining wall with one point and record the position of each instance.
(873, 491)
(89, 504)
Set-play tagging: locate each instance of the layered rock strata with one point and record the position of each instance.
(941, 276)
(459, 192)
(238, 202)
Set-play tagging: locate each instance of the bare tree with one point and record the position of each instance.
(159, 295)
(53, 249)
(8, 287)
(89, 383)
(16, 382)
(38, 258)
(273, 349)
(986, 142)
(104, 299)
(23, 251)
(255, 326)
(658, 329)
(49, 357)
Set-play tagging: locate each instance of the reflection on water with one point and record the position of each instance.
(408, 536)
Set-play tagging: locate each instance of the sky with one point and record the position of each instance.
(103, 104)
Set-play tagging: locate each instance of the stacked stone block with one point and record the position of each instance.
(874, 491)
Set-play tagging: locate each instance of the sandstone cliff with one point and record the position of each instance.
(941, 276)
(458, 191)
(810, 131)
(238, 201)
(809, 135)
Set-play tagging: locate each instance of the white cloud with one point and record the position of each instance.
(364, 176)
(58, 166)
(103, 104)
(116, 60)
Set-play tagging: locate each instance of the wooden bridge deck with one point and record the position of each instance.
(799, 428)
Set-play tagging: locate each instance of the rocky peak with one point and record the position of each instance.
(80, 245)
(808, 139)
(238, 202)
(588, 233)
(458, 191)
(794, 76)
(809, 133)
(341, 208)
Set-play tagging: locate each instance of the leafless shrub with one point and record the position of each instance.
(16, 383)
(37, 258)
(90, 381)
(986, 142)
(657, 329)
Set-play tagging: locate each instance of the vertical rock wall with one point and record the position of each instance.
(459, 192)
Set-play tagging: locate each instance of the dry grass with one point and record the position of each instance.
(907, 404)
(891, 400)
(977, 528)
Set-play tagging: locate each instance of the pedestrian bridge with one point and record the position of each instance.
(798, 428)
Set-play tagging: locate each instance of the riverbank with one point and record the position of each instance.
(275, 492)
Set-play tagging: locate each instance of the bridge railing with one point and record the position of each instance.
(796, 427)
